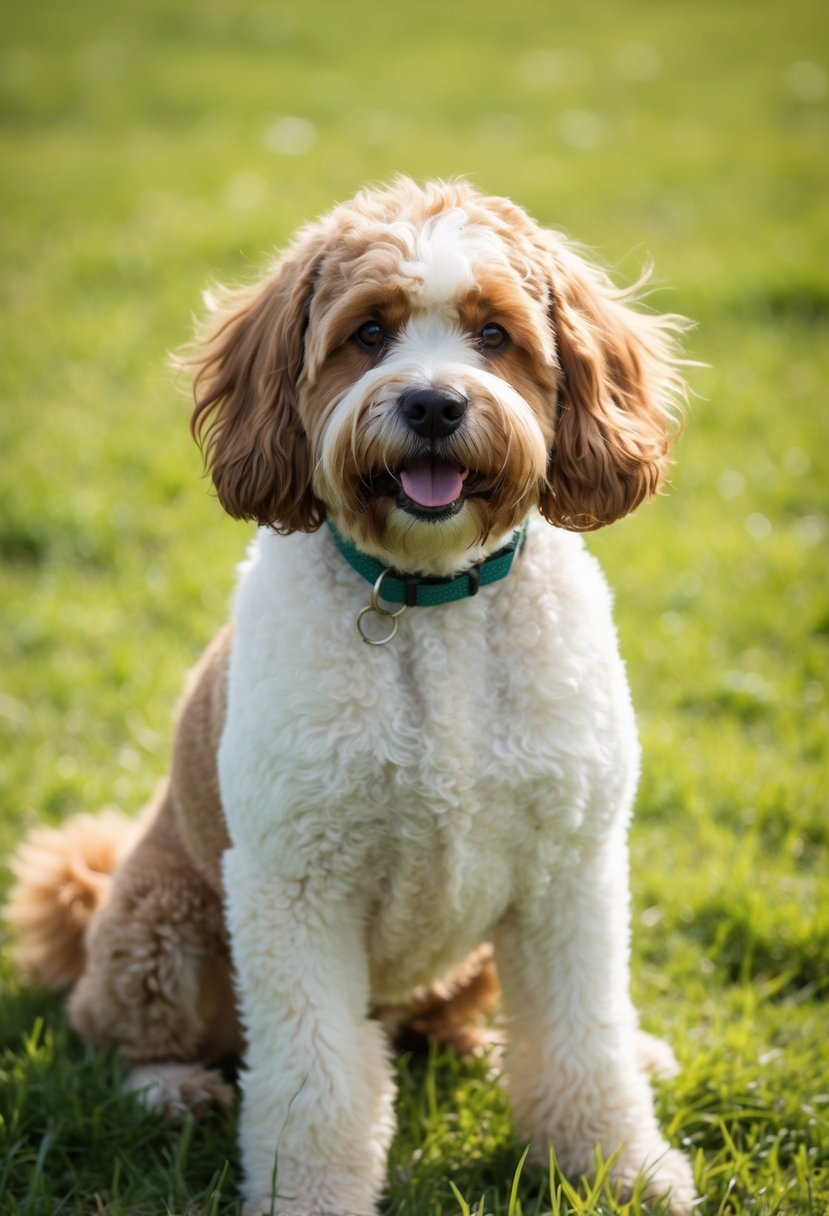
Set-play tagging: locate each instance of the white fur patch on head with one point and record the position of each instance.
(427, 344)
(442, 255)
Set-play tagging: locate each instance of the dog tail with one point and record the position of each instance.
(62, 878)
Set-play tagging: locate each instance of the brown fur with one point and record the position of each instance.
(63, 875)
(246, 416)
(612, 443)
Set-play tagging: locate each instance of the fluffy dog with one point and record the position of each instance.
(422, 405)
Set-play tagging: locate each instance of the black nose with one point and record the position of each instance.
(432, 413)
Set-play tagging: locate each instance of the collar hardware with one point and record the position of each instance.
(374, 606)
(421, 590)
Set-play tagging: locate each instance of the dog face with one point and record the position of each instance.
(426, 365)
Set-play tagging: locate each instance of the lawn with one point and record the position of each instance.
(149, 149)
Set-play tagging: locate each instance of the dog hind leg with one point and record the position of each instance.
(157, 981)
(452, 1013)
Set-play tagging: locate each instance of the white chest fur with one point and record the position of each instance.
(436, 776)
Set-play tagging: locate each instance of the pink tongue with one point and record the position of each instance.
(432, 483)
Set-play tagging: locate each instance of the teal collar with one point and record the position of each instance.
(424, 591)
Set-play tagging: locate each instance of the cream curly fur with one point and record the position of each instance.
(379, 813)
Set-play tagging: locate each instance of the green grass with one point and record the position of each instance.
(146, 152)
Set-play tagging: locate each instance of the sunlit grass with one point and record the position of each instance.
(149, 149)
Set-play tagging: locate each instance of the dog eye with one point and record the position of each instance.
(493, 337)
(370, 336)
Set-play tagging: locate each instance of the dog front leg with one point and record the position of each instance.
(573, 1065)
(316, 1118)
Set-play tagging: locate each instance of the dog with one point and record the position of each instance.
(411, 759)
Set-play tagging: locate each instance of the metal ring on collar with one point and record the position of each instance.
(375, 606)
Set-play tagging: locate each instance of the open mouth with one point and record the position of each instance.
(427, 487)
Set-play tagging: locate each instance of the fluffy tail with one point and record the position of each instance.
(63, 876)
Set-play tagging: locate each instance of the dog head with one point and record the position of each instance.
(423, 366)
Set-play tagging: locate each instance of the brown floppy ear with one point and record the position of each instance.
(246, 419)
(617, 403)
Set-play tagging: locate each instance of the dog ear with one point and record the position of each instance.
(246, 419)
(619, 388)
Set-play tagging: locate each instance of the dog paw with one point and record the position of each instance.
(277, 1206)
(655, 1056)
(667, 1176)
(176, 1090)
(324, 1192)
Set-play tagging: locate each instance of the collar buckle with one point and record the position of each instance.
(413, 582)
